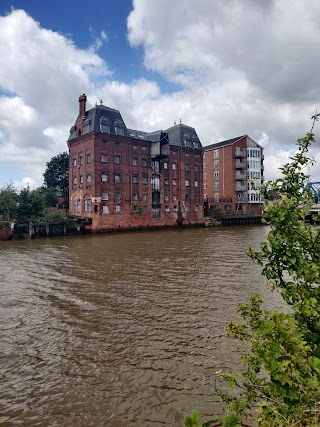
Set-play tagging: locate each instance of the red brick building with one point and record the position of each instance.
(122, 178)
(232, 176)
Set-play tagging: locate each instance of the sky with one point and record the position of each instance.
(225, 67)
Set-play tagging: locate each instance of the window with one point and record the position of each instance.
(144, 163)
(135, 208)
(104, 141)
(165, 165)
(216, 197)
(104, 177)
(155, 183)
(216, 186)
(216, 154)
(216, 176)
(104, 158)
(187, 167)
(166, 208)
(119, 131)
(134, 179)
(116, 143)
(187, 197)
(166, 198)
(196, 183)
(144, 180)
(205, 196)
(135, 196)
(187, 208)
(205, 186)
(80, 160)
(204, 176)
(74, 180)
(204, 155)
(196, 168)
(134, 162)
(117, 179)
(74, 162)
(196, 208)
(105, 196)
(118, 208)
(74, 206)
(174, 166)
(88, 158)
(105, 209)
(187, 182)
(196, 197)
(174, 182)
(166, 181)
(216, 164)
(144, 148)
(174, 198)
(117, 160)
(88, 178)
(144, 197)
(204, 165)
(156, 213)
(81, 179)
(117, 197)
(87, 205)
(175, 208)
(78, 205)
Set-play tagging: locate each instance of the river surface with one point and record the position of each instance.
(121, 329)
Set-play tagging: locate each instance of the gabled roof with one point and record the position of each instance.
(224, 143)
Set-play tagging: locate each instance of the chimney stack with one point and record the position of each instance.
(82, 105)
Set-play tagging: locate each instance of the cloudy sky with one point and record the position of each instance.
(225, 67)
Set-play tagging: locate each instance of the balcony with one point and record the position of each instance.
(240, 176)
(262, 156)
(241, 188)
(241, 165)
(262, 167)
(241, 200)
(239, 153)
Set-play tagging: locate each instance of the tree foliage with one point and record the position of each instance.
(31, 204)
(56, 175)
(8, 201)
(280, 376)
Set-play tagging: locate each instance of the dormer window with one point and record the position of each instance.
(104, 125)
(86, 126)
(187, 140)
(119, 127)
(119, 131)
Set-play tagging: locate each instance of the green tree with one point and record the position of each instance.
(56, 176)
(280, 377)
(49, 195)
(8, 201)
(31, 204)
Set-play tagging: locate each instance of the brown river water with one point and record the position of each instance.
(121, 329)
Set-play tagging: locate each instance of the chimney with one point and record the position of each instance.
(82, 114)
(82, 105)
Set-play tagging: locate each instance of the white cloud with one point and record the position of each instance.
(244, 67)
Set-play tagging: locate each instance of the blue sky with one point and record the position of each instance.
(226, 68)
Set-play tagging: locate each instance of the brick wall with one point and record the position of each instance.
(180, 203)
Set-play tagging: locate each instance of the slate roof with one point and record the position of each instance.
(183, 136)
(224, 143)
(100, 118)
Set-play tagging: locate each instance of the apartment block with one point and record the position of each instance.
(232, 176)
(122, 178)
